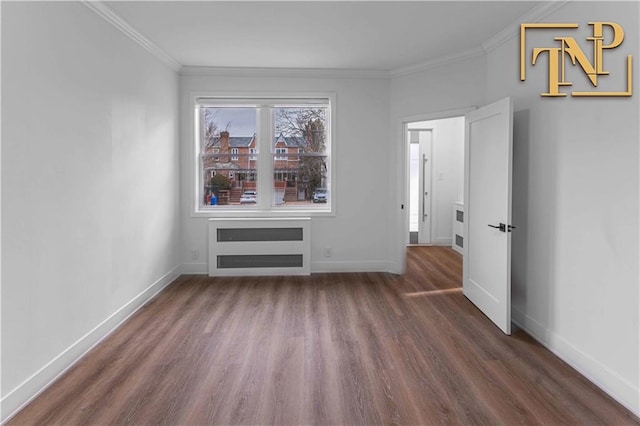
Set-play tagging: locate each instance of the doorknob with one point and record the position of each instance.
(502, 227)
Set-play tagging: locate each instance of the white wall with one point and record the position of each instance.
(575, 195)
(358, 233)
(90, 219)
(447, 173)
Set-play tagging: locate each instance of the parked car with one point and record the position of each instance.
(248, 197)
(320, 196)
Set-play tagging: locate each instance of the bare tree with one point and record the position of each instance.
(303, 122)
(211, 130)
(307, 125)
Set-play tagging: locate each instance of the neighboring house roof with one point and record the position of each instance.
(245, 141)
(234, 141)
(290, 141)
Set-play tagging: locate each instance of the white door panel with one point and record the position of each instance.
(487, 248)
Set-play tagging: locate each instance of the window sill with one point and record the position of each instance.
(250, 212)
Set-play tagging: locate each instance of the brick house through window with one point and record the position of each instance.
(236, 160)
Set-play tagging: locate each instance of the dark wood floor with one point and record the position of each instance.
(355, 349)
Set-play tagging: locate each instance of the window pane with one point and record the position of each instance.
(228, 157)
(295, 156)
(300, 156)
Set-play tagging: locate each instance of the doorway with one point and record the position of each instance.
(486, 186)
(434, 170)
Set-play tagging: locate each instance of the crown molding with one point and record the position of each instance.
(444, 60)
(282, 72)
(106, 13)
(536, 14)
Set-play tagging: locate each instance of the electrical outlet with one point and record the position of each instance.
(327, 252)
(195, 254)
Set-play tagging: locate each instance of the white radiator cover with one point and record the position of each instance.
(267, 246)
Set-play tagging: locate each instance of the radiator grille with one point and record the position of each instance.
(259, 246)
(260, 234)
(260, 261)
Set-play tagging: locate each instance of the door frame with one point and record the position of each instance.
(401, 208)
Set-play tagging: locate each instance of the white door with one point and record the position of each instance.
(420, 184)
(487, 200)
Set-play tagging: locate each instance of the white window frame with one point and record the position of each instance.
(263, 207)
(234, 154)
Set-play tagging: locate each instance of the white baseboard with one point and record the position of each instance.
(195, 268)
(443, 241)
(616, 386)
(24, 393)
(348, 266)
(316, 267)
(396, 268)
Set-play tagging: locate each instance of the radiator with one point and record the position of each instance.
(458, 226)
(259, 246)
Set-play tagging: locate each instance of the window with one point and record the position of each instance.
(281, 153)
(278, 148)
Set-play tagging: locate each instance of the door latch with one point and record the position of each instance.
(503, 228)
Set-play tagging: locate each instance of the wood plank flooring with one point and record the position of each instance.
(329, 349)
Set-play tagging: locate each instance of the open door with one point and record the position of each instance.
(487, 200)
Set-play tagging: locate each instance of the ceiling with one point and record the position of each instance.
(357, 35)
